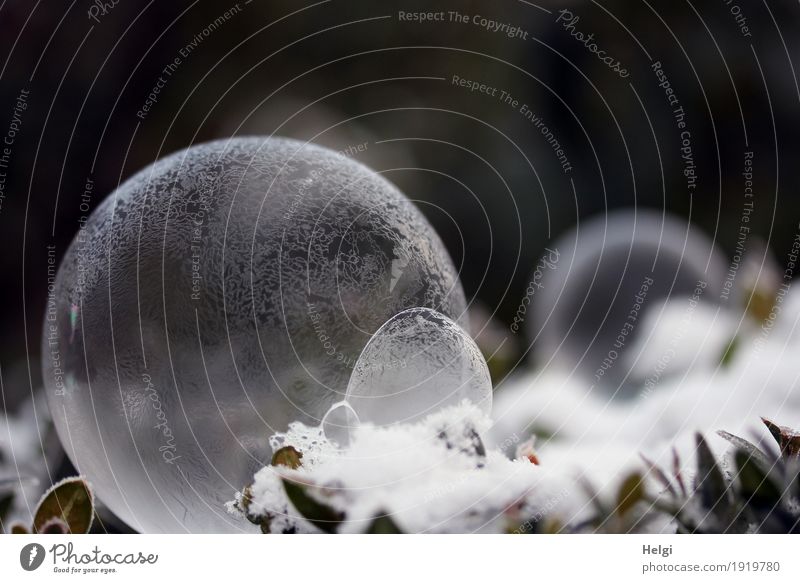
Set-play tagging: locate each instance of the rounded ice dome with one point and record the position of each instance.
(417, 363)
(595, 283)
(216, 296)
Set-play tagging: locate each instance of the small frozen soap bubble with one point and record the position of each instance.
(417, 363)
(214, 298)
(339, 423)
(595, 283)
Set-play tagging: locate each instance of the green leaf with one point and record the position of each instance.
(288, 457)
(383, 524)
(70, 501)
(730, 352)
(321, 515)
(553, 526)
(631, 491)
(757, 487)
(711, 483)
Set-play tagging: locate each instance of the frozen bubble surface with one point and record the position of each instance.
(598, 281)
(339, 423)
(218, 295)
(417, 363)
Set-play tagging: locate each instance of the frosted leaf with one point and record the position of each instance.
(218, 295)
(417, 363)
(589, 302)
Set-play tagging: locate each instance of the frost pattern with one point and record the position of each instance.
(420, 361)
(218, 295)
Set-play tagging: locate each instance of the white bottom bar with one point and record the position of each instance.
(408, 558)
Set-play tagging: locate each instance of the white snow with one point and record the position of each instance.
(602, 439)
(408, 472)
(429, 476)
(23, 468)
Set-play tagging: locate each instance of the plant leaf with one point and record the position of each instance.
(320, 515)
(288, 457)
(660, 475)
(243, 504)
(757, 487)
(744, 445)
(383, 524)
(730, 352)
(263, 521)
(71, 501)
(788, 439)
(631, 491)
(676, 471)
(711, 483)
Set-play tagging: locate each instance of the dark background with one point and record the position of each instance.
(337, 74)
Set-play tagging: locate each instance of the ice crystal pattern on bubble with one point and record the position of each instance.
(216, 296)
(417, 363)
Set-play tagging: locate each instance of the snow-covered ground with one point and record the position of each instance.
(699, 368)
(23, 470)
(689, 387)
(428, 477)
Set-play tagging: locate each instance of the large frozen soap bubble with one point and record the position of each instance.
(417, 363)
(218, 295)
(597, 282)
